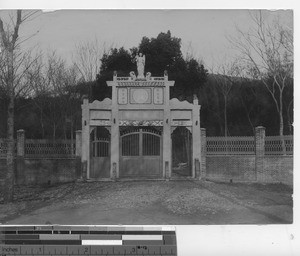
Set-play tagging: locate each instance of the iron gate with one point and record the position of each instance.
(140, 152)
(100, 153)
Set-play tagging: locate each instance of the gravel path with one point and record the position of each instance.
(211, 202)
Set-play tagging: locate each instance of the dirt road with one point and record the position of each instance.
(173, 202)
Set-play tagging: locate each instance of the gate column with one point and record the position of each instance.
(196, 136)
(167, 146)
(85, 156)
(114, 166)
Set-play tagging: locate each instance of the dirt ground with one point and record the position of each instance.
(150, 202)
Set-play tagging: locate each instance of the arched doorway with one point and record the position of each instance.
(140, 152)
(182, 152)
(100, 153)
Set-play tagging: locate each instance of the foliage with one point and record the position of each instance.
(267, 53)
(162, 53)
(57, 90)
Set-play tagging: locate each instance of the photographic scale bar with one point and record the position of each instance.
(86, 240)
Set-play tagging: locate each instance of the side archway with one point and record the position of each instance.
(182, 155)
(99, 153)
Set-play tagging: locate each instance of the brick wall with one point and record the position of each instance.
(244, 165)
(225, 168)
(38, 169)
(278, 169)
(42, 171)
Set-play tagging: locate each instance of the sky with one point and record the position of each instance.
(203, 32)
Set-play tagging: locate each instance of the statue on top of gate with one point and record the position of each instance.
(140, 62)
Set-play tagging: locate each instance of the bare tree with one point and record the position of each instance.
(267, 54)
(53, 84)
(87, 58)
(225, 77)
(14, 65)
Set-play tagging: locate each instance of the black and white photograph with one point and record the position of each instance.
(147, 117)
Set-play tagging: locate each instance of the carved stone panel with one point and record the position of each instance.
(158, 95)
(140, 96)
(122, 96)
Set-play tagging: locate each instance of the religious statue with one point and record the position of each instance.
(140, 62)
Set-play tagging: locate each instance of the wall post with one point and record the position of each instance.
(196, 135)
(20, 163)
(115, 133)
(78, 153)
(259, 153)
(78, 143)
(203, 154)
(85, 140)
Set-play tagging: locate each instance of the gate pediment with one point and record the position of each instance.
(105, 104)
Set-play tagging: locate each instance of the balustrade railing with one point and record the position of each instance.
(230, 145)
(49, 148)
(276, 145)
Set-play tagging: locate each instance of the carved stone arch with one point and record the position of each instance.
(173, 128)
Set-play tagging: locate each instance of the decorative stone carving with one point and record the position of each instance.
(148, 76)
(140, 62)
(141, 83)
(132, 75)
(140, 123)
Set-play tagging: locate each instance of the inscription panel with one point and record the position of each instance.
(158, 95)
(140, 96)
(141, 115)
(122, 96)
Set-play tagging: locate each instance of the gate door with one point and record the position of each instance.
(100, 153)
(140, 153)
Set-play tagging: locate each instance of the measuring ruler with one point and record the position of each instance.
(87, 240)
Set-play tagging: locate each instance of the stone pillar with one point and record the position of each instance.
(78, 154)
(78, 143)
(85, 152)
(167, 143)
(203, 154)
(259, 153)
(21, 143)
(196, 138)
(114, 153)
(20, 170)
(167, 146)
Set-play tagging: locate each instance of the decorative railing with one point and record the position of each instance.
(49, 148)
(128, 78)
(230, 146)
(3, 148)
(276, 145)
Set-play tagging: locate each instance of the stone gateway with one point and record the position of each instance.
(140, 133)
